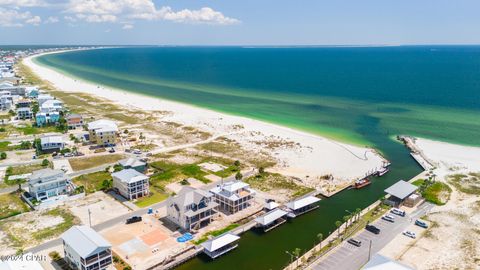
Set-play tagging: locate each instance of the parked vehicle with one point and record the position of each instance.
(389, 218)
(421, 223)
(134, 219)
(397, 211)
(112, 150)
(410, 234)
(149, 154)
(355, 242)
(372, 229)
(128, 150)
(68, 155)
(137, 152)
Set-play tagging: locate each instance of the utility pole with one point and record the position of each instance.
(370, 250)
(90, 217)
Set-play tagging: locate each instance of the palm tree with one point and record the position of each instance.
(345, 220)
(357, 213)
(320, 239)
(338, 224)
(296, 253)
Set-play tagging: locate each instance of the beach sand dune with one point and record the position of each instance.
(308, 156)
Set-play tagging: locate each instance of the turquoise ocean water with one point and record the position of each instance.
(364, 96)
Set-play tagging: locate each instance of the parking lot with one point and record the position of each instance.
(347, 256)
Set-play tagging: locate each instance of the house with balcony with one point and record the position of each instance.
(233, 196)
(51, 105)
(131, 184)
(24, 113)
(52, 143)
(133, 163)
(103, 132)
(43, 119)
(85, 249)
(191, 209)
(42, 98)
(74, 121)
(47, 183)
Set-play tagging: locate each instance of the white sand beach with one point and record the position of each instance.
(310, 156)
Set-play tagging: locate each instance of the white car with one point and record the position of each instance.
(397, 211)
(388, 218)
(410, 234)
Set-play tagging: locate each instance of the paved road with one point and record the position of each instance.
(349, 257)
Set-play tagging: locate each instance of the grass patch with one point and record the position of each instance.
(169, 172)
(469, 184)
(228, 171)
(274, 181)
(68, 221)
(30, 130)
(156, 195)
(215, 233)
(95, 161)
(11, 205)
(145, 147)
(434, 192)
(123, 117)
(92, 181)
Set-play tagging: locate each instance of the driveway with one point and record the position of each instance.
(349, 257)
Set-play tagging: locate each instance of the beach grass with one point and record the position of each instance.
(168, 172)
(437, 192)
(466, 183)
(68, 221)
(92, 181)
(11, 205)
(156, 195)
(215, 233)
(269, 182)
(84, 163)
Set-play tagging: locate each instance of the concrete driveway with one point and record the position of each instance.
(349, 257)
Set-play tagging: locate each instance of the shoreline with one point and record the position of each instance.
(319, 155)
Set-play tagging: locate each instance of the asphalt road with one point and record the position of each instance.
(349, 257)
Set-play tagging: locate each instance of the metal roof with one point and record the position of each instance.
(220, 241)
(51, 139)
(85, 241)
(103, 125)
(297, 204)
(379, 262)
(271, 205)
(129, 176)
(271, 216)
(401, 189)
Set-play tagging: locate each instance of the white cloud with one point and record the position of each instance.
(14, 18)
(127, 10)
(127, 27)
(52, 20)
(23, 3)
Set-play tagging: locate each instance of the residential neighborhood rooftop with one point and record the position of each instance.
(84, 240)
(129, 176)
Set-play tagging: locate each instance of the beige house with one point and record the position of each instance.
(103, 132)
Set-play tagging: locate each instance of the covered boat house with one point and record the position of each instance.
(271, 219)
(400, 192)
(302, 205)
(220, 245)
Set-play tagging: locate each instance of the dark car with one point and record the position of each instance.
(355, 242)
(372, 229)
(134, 219)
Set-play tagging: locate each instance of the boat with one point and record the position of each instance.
(361, 183)
(382, 171)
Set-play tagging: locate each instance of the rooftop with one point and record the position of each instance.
(51, 139)
(297, 204)
(21, 264)
(379, 262)
(132, 162)
(103, 125)
(85, 241)
(220, 241)
(129, 176)
(401, 189)
(271, 216)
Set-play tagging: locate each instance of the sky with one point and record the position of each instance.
(239, 22)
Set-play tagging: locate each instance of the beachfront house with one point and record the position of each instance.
(52, 143)
(103, 132)
(43, 119)
(400, 192)
(133, 163)
(24, 113)
(24, 103)
(47, 183)
(85, 249)
(51, 105)
(191, 209)
(131, 184)
(31, 91)
(42, 98)
(233, 196)
(12, 88)
(74, 121)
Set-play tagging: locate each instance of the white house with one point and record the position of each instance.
(85, 249)
(52, 143)
(51, 105)
(46, 183)
(233, 196)
(43, 97)
(131, 183)
(103, 132)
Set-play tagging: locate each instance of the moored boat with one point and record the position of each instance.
(361, 183)
(382, 171)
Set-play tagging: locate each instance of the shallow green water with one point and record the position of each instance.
(360, 95)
